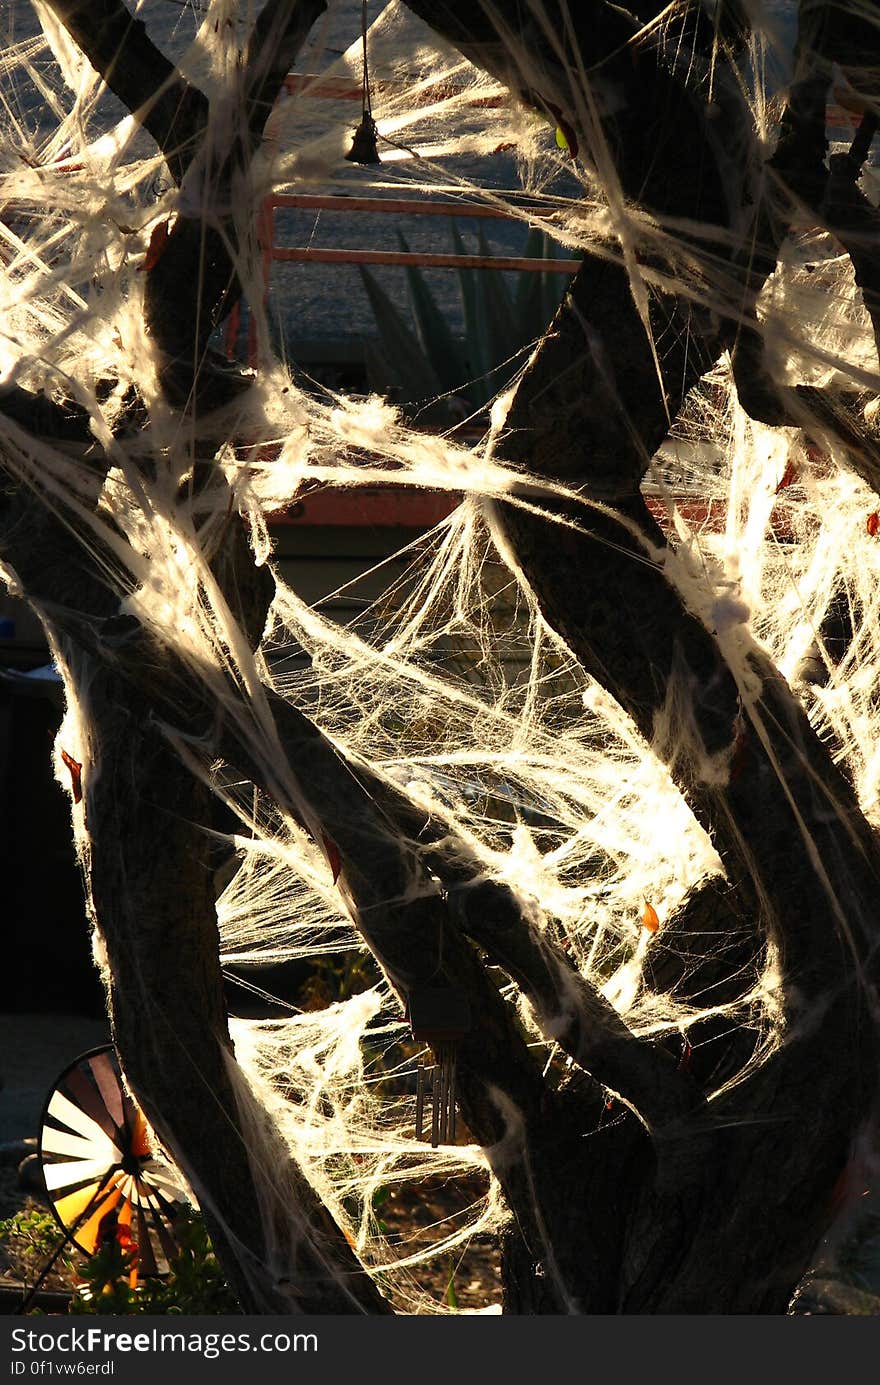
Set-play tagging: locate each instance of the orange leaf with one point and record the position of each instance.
(75, 775)
(873, 523)
(788, 476)
(158, 242)
(650, 918)
(333, 856)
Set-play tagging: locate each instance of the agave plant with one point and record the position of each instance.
(418, 358)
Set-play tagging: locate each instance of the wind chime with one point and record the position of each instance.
(364, 148)
(439, 1016)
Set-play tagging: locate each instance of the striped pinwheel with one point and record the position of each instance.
(102, 1177)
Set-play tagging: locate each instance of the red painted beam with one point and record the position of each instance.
(395, 257)
(365, 507)
(406, 508)
(401, 206)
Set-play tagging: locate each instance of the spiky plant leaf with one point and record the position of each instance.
(538, 293)
(381, 374)
(438, 344)
(495, 307)
(528, 302)
(399, 345)
(477, 353)
(553, 286)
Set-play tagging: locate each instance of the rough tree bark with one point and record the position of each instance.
(643, 1222)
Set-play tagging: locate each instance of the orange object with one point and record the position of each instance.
(788, 476)
(102, 1179)
(158, 242)
(873, 523)
(75, 769)
(333, 856)
(650, 918)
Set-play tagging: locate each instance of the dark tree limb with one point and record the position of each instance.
(567, 1008)
(149, 919)
(117, 45)
(278, 1243)
(591, 409)
(38, 414)
(799, 178)
(151, 890)
(280, 30)
(192, 285)
(528, 1135)
(595, 379)
(801, 859)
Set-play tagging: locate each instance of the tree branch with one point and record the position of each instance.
(591, 410)
(280, 30)
(826, 34)
(43, 417)
(160, 932)
(129, 682)
(396, 906)
(193, 285)
(567, 1008)
(796, 847)
(117, 45)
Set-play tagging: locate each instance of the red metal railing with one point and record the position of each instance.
(401, 507)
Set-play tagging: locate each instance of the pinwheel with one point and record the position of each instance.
(102, 1176)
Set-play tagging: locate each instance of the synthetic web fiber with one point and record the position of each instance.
(450, 685)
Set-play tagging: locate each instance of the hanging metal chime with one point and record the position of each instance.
(440, 1016)
(364, 147)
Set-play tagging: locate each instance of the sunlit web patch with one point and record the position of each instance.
(99, 1169)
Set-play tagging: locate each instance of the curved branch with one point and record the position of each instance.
(129, 682)
(160, 932)
(193, 285)
(568, 1009)
(280, 30)
(120, 50)
(396, 906)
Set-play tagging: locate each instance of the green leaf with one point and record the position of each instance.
(538, 292)
(529, 297)
(495, 307)
(478, 359)
(399, 345)
(438, 344)
(553, 286)
(450, 1295)
(381, 374)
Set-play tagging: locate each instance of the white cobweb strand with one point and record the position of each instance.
(449, 684)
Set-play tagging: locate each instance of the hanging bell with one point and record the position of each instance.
(364, 149)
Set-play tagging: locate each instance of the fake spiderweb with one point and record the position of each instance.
(102, 1178)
